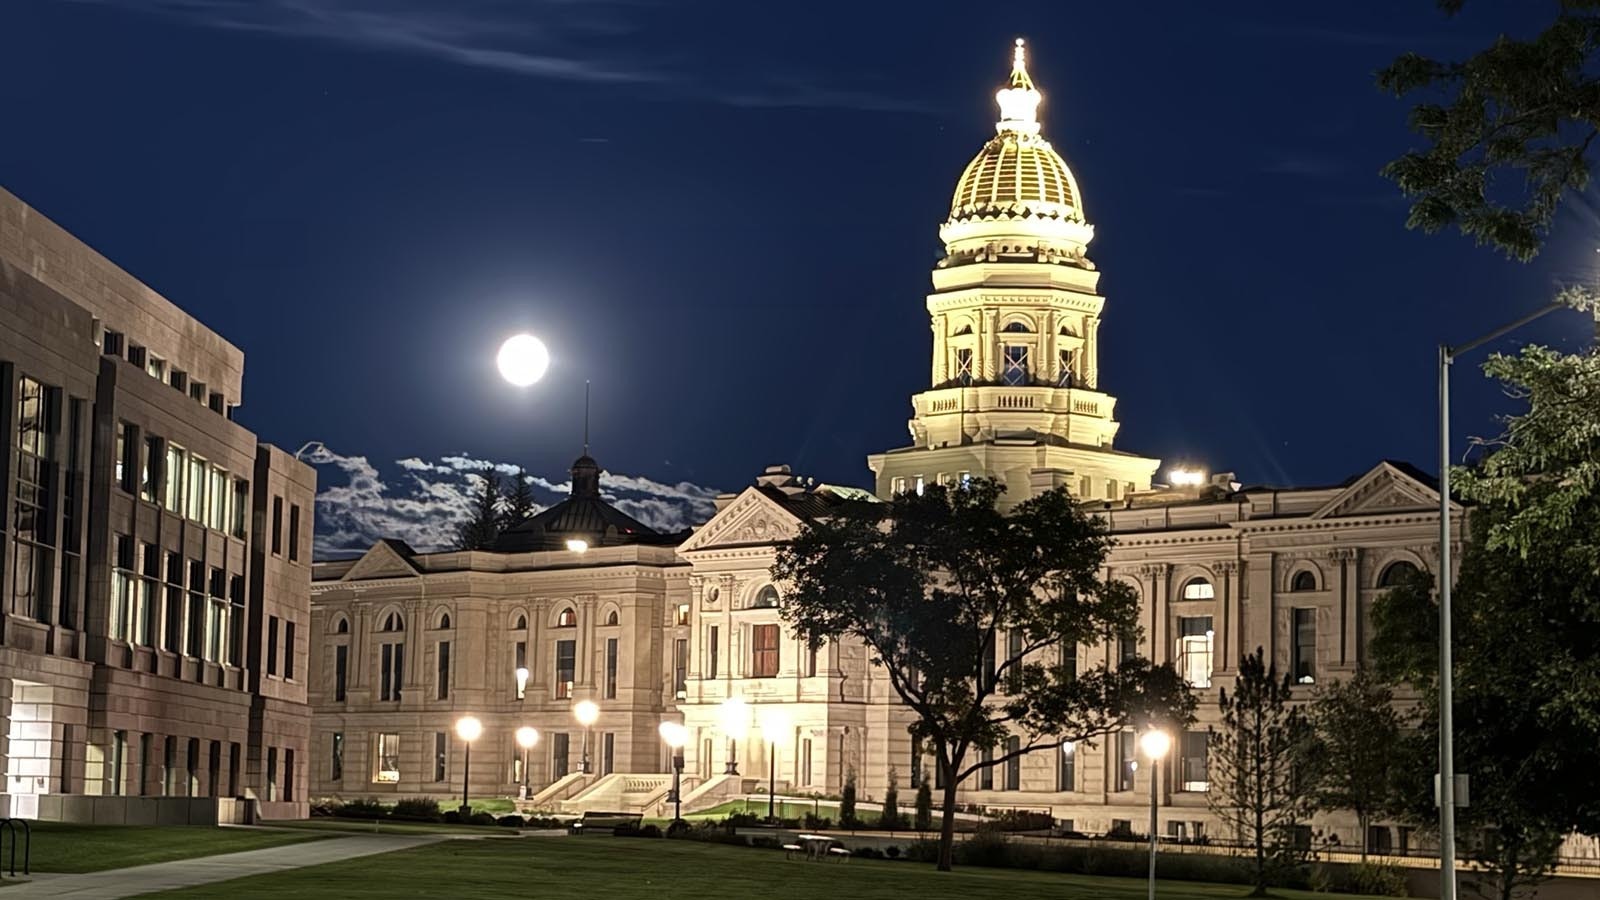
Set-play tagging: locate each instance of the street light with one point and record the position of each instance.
(675, 736)
(1154, 743)
(735, 716)
(468, 728)
(1447, 751)
(527, 736)
(587, 714)
(774, 721)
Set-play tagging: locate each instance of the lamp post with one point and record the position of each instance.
(587, 713)
(527, 736)
(1447, 754)
(735, 716)
(774, 723)
(1154, 743)
(468, 728)
(675, 736)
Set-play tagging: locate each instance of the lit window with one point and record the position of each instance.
(1195, 650)
(899, 486)
(683, 614)
(764, 651)
(920, 485)
(1199, 589)
(156, 367)
(766, 598)
(387, 753)
(567, 618)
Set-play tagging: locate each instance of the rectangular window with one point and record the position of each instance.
(386, 753)
(288, 650)
(443, 675)
(341, 671)
(764, 651)
(986, 676)
(611, 668)
(1127, 648)
(921, 485)
(169, 767)
(336, 763)
(1069, 660)
(520, 655)
(272, 773)
(272, 645)
(1127, 762)
(235, 628)
(156, 366)
(176, 470)
(1067, 767)
(146, 758)
(1014, 764)
(1064, 379)
(288, 774)
(899, 486)
(217, 513)
(127, 462)
(277, 526)
(566, 667)
(560, 758)
(234, 768)
(805, 761)
(147, 600)
(986, 774)
(680, 666)
(1014, 660)
(1192, 774)
(294, 532)
(392, 665)
(441, 755)
(682, 617)
(608, 753)
(811, 662)
(711, 653)
(33, 506)
(119, 755)
(1305, 646)
(123, 581)
(198, 478)
(214, 769)
(150, 469)
(217, 617)
(1015, 369)
(241, 503)
(1194, 650)
(964, 366)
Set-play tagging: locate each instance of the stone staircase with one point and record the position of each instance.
(557, 792)
(643, 794)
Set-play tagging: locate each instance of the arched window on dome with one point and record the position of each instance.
(1397, 574)
(1303, 580)
(1199, 589)
(522, 623)
(965, 329)
(444, 620)
(1017, 326)
(611, 617)
(766, 598)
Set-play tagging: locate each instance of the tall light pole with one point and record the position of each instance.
(527, 736)
(774, 722)
(675, 736)
(587, 713)
(735, 716)
(1154, 743)
(1447, 752)
(468, 728)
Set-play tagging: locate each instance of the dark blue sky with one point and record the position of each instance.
(724, 215)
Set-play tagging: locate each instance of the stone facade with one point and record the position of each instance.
(141, 570)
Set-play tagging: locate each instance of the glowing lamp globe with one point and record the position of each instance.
(674, 735)
(523, 359)
(468, 728)
(586, 712)
(527, 736)
(1155, 744)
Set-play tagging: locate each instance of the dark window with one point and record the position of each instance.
(1015, 366)
(197, 609)
(1014, 660)
(235, 619)
(1192, 763)
(150, 469)
(986, 774)
(1014, 764)
(566, 667)
(1127, 763)
(764, 651)
(767, 598)
(441, 753)
(680, 666)
(444, 670)
(560, 764)
(1303, 581)
(341, 671)
(288, 650)
(233, 769)
(33, 534)
(1016, 328)
(1064, 379)
(336, 767)
(272, 645)
(964, 366)
(277, 525)
(127, 457)
(611, 668)
(288, 774)
(711, 654)
(1069, 660)
(1305, 646)
(392, 671)
(294, 534)
(811, 662)
(1396, 574)
(608, 752)
(986, 677)
(174, 606)
(241, 502)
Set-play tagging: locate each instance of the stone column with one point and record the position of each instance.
(1347, 603)
(1232, 610)
(1091, 349)
(1260, 629)
(1159, 575)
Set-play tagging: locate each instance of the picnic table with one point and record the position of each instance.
(817, 847)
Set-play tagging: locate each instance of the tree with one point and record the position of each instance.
(1253, 760)
(519, 503)
(890, 818)
(479, 532)
(847, 801)
(924, 814)
(959, 602)
(1355, 744)
(1509, 130)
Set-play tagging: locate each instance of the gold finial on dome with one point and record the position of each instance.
(1019, 102)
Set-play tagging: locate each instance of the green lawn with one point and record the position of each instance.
(758, 807)
(642, 869)
(369, 826)
(59, 847)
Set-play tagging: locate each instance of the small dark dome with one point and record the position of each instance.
(585, 477)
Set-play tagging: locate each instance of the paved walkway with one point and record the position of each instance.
(116, 883)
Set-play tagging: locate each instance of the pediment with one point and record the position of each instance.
(383, 560)
(1386, 488)
(752, 518)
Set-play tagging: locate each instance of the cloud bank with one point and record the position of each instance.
(422, 502)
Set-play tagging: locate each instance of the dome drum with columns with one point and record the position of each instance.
(1015, 315)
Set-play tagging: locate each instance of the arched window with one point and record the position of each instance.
(766, 597)
(1396, 574)
(611, 617)
(522, 623)
(1303, 581)
(1016, 328)
(567, 618)
(393, 622)
(1199, 589)
(965, 329)
(341, 626)
(444, 620)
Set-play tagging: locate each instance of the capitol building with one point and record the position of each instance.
(583, 603)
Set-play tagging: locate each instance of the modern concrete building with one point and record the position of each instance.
(156, 570)
(1016, 393)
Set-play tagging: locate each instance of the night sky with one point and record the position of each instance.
(724, 216)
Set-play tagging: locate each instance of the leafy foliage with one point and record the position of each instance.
(1355, 742)
(1519, 107)
(847, 801)
(924, 810)
(1253, 760)
(889, 819)
(966, 609)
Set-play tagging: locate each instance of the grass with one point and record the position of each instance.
(641, 869)
(759, 808)
(369, 826)
(60, 847)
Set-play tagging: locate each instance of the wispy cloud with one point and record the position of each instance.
(595, 41)
(423, 501)
(1305, 165)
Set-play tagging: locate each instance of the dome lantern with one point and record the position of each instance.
(1019, 101)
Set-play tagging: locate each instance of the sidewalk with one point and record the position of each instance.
(116, 883)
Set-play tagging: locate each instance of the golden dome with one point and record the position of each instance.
(1017, 173)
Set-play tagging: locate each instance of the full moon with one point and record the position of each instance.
(523, 359)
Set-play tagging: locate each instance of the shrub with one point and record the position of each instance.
(1382, 879)
(924, 817)
(889, 820)
(892, 851)
(765, 843)
(323, 808)
(986, 848)
(511, 821)
(678, 828)
(814, 822)
(867, 853)
(451, 817)
(742, 820)
(424, 809)
(1021, 820)
(847, 801)
(481, 818)
(369, 808)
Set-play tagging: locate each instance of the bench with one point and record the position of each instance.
(789, 850)
(609, 822)
(840, 852)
